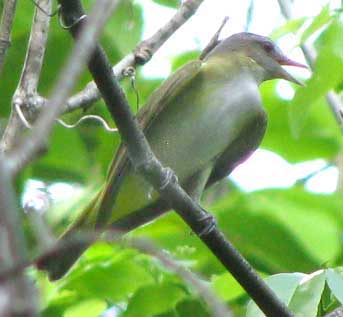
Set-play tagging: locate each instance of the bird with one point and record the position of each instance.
(202, 122)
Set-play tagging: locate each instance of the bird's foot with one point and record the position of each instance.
(208, 222)
(169, 176)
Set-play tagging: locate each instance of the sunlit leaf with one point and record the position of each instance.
(318, 22)
(328, 73)
(335, 282)
(291, 26)
(306, 298)
(169, 3)
(89, 308)
(319, 138)
(284, 285)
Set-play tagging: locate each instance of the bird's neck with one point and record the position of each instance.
(233, 63)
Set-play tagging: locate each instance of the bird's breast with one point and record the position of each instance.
(202, 122)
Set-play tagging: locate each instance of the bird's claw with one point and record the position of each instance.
(209, 222)
(169, 176)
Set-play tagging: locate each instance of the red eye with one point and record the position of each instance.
(268, 47)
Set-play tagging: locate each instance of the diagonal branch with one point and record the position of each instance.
(26, 92)
(6, 28)
(141, 55)
(31, 104)
(217, 307)
(30, 146)
(164, 180)
(309, 53)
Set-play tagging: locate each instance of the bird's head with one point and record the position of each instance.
(263, 51)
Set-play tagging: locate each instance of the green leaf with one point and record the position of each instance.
(293, 218)
(318, 22)
(191, 307)
(88, 308)
(328, 73)
(124, 29)
(320, 137)
(67, 159)
(335, 282)
(306, 298)
(154, 299)
(169, 3)
(291, 26)
(183, 58)
(122, 276)
(284, 286)
(226, 287)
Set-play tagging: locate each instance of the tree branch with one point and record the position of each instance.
(217, 307)
(18, 295)
(143, 245)
(30, 146)
(6, 28)
(141, 55)
(164, 180)
(25, 96)
(309, 53)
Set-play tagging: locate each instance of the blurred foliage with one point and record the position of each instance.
(168, 3)
(277, 230)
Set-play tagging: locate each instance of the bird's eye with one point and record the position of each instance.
(268, 47)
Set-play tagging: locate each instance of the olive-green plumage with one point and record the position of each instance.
(202, 122)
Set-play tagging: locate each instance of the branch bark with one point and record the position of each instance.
(164, 180)
(141, 54)
(25, 96)
(8, 13)
(30, 146)
(18, 295)
(31, 103)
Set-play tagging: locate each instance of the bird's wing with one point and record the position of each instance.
(166, 92)
(160, 98)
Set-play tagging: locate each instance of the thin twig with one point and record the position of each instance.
(143, 245)
(142, 54)
(309, 53)
(33, 143)
(20, 294)
(217, 307)
(90, 93)
(164, 180)
(6, 28)
(25, 96)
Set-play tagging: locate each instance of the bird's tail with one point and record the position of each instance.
(71, 245)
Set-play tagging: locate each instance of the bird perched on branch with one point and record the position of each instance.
(201, 122)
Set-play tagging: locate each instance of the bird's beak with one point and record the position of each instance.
(285, 61)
